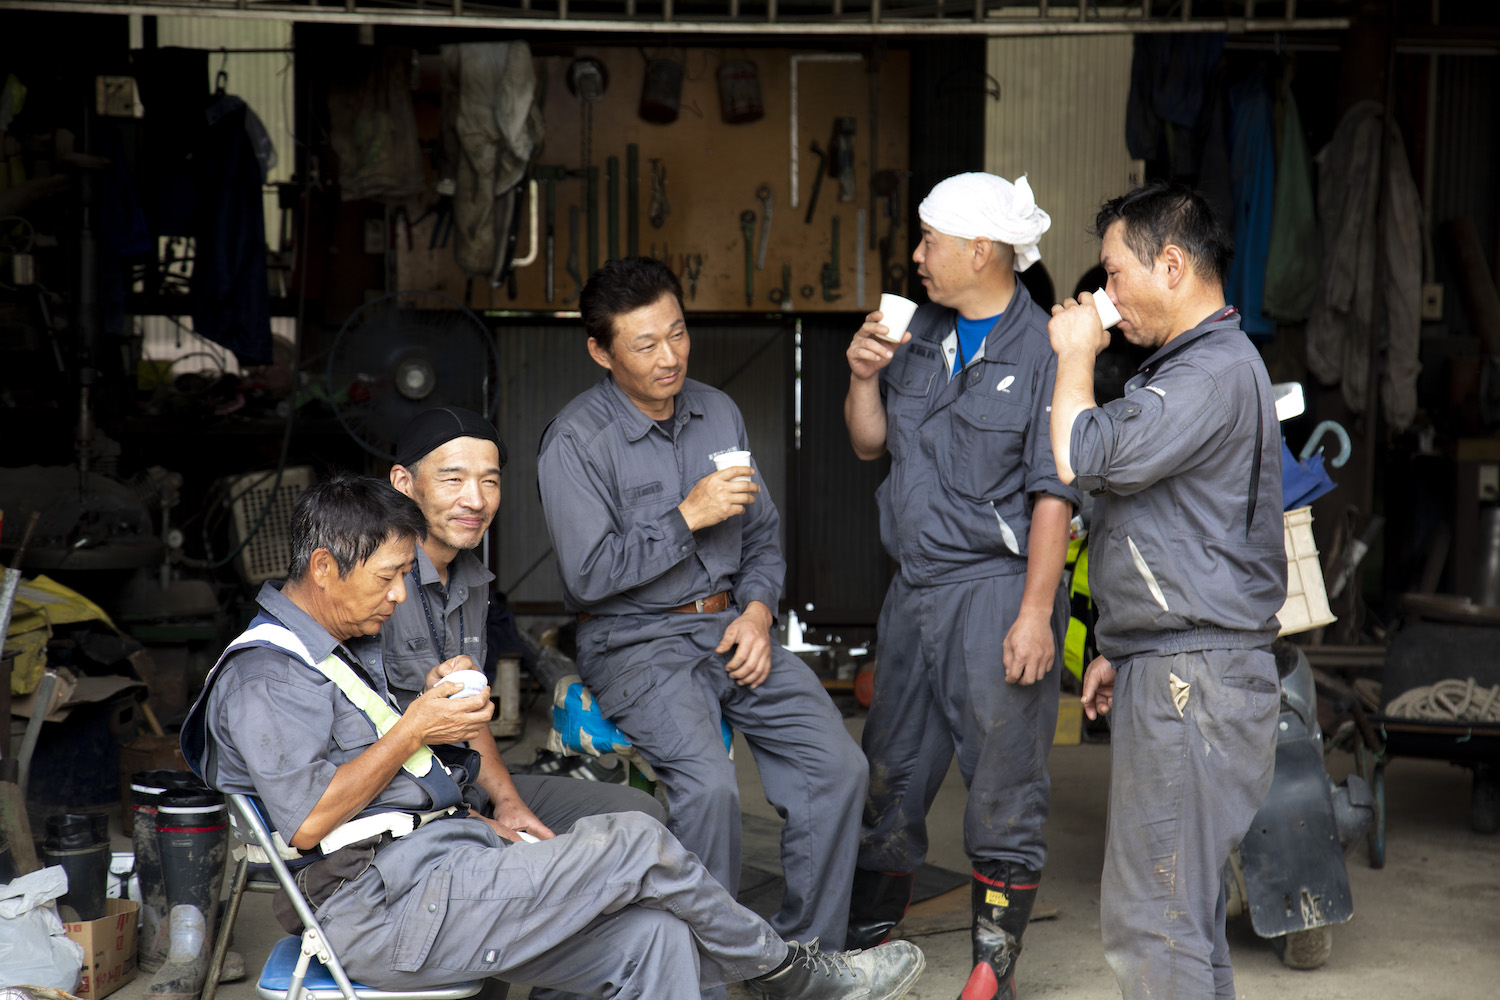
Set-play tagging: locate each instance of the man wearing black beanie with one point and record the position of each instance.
(449, 460)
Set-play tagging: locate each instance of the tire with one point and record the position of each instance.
(1305, 949)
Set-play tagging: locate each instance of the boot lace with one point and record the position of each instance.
(833, 964)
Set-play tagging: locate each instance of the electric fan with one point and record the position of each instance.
(406, 352)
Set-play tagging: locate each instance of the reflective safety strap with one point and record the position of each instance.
(353, 687)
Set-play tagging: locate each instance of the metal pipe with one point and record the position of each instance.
(992, 27)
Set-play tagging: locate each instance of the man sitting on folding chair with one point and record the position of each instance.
(414, 891)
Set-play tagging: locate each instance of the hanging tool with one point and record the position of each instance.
(591, 201)
(632, 199)
(887, 184)
(659, 207)
(830, 275)
(841, 156)
(783, 296)
(550, 176)
(612, 206)
(573, 255)
(859, 258)
(873, 68)
(767, 203)
(812, 202)
(747, 229)
(693, 265)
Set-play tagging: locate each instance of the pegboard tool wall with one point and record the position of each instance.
(713, 170)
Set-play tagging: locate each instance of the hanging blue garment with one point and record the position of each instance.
(1252, 158)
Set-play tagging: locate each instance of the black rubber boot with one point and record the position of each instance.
(145, 788)
(192, 832)
(876, 906)
(1003, 894)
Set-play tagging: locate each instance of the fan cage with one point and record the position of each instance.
(270, 550)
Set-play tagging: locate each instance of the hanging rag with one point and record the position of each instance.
(492, 125)
(374, 128)
(1292, 260)
(1252, 174)
(1343, 316)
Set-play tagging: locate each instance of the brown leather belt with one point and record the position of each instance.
(703, 606)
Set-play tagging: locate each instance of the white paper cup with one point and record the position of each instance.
(474, 682)
(896, 313)
(1108, 314)
(729, 459)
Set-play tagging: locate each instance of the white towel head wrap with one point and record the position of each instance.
(973, 205)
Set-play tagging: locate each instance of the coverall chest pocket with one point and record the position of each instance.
(908, 388)
(986, 443)
(352, 729)
(634, 495)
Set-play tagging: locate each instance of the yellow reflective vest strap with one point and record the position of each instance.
(1080, 608)
(382, 715)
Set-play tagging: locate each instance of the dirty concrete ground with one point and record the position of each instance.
(1426, 926)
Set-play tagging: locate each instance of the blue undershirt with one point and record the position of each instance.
(971, 334)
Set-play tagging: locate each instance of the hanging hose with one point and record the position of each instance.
(1449, 701)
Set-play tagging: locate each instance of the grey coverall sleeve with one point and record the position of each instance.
(1041, 468)
(1131, 443)
(597, 556)
(287, 763)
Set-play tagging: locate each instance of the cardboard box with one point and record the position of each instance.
(1069, 721)
(108, 948)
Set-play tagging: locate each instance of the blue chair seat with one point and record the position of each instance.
(276, 979)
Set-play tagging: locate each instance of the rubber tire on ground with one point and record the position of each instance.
(1305, 949)
(1486, 799)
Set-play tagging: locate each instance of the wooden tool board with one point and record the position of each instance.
(713, 170)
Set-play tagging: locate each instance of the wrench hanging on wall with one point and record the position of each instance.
(767, 203)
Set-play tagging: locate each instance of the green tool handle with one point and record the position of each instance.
(632, 199)
(612, 205)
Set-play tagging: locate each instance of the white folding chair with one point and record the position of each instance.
(306, 968)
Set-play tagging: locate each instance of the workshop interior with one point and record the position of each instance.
(242, 245)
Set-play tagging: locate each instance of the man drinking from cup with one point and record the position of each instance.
(976, 517)
(674, 568)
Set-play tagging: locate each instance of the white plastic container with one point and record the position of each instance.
(1306, 606)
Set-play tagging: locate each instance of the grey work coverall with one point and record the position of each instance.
(616, 906)
(968, 456)
(413, 643)
(1187, 564)
(611, 479)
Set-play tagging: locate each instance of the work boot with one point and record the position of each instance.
(882, 973)
(876, 906)
(192, 831)
(146, 787)
(1003, 894)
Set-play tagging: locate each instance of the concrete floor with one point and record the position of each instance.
(1427, 925)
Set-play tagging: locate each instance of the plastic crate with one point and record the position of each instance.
(269, 550)
(1306, 606)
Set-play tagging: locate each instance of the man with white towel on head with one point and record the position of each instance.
(977, 519)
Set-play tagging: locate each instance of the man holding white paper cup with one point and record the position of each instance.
(449, 461)
(668, 548)
(1187, 566)
(978, 521)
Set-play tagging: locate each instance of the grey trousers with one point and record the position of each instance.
(1183, 790)
(659, 679)
(560, 802)
(616, 907)
(940, 688)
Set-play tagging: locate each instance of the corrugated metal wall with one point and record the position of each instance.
(544, 366)
(1464, 148)
(841, 568)
(1061, 121)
